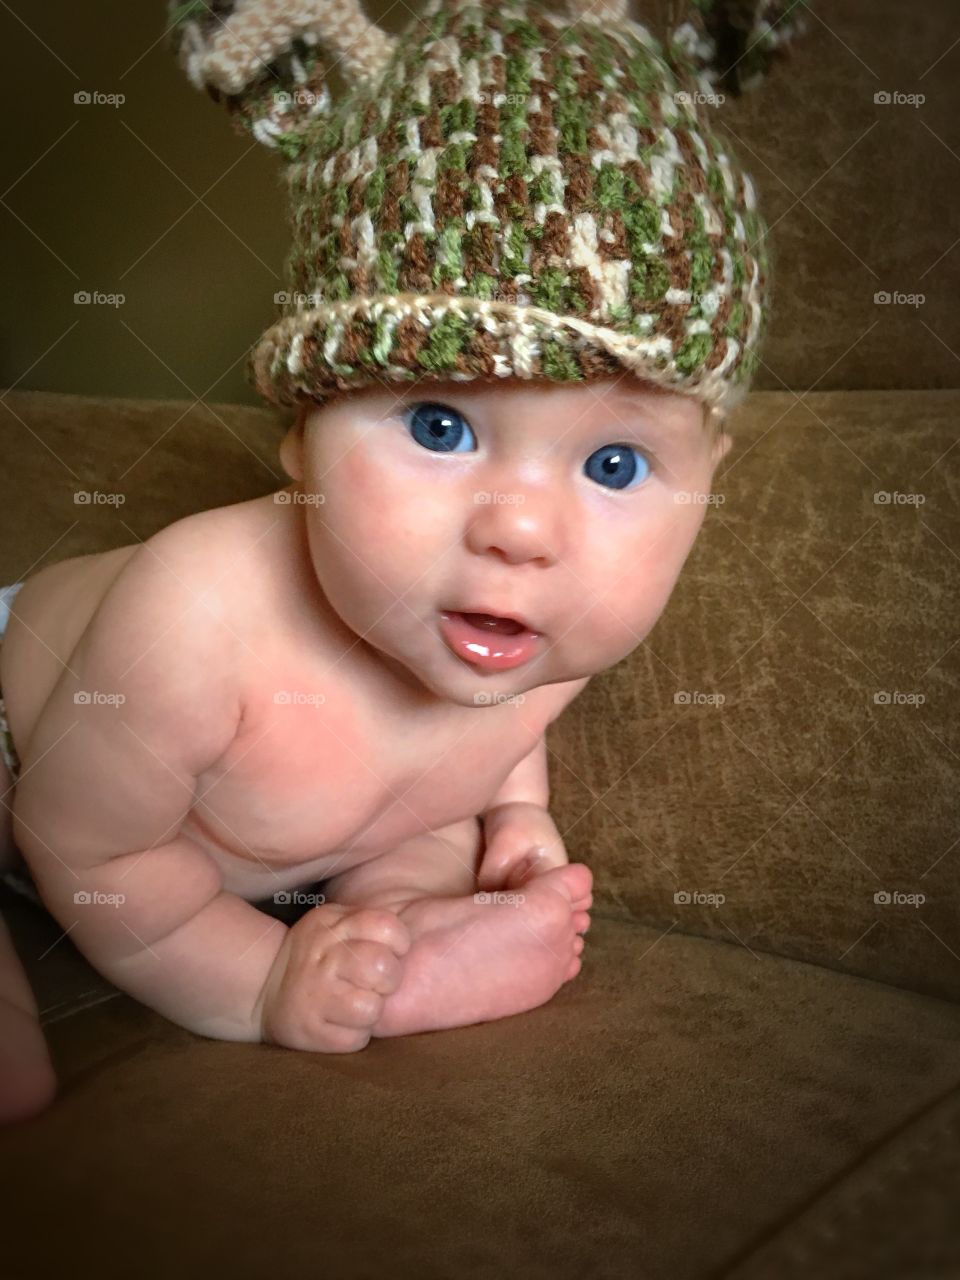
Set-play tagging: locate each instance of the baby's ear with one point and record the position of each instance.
(722, 445)
(269, 61)
(292, 446)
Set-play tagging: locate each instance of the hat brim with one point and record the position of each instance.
(317, 352)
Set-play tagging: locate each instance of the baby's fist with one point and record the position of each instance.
(329, 981)
(520, 838)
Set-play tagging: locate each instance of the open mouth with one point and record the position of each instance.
(487, 641)
(490, 622)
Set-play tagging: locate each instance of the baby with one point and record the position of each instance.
(348, 681)
(527, 284)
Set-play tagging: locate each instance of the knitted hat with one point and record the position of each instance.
(505, 190)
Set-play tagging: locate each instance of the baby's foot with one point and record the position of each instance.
(489, 955)
(27, 1081)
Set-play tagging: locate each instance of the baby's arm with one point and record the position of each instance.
(105, 786)
(518, 829)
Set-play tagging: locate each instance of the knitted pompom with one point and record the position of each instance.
(269, 60)
(733, 44)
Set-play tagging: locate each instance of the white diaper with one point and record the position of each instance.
(7, 597)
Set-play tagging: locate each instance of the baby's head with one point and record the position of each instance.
(570, 507)
(527, 210)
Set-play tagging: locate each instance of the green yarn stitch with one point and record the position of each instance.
(481, 286)
(611, 186)
(548, 291)
(387, 272)
(512, 263)
(694, 352)
(449, 263)
(568, 117)
(376, 185)
(447, 339)
(558, 362)
(453, 156)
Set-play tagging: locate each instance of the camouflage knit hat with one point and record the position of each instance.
(505, 190)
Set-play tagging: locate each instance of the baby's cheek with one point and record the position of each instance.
(622, 613)
(630, 594)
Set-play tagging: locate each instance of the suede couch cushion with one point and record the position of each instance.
(682, 1105)
(799, 798)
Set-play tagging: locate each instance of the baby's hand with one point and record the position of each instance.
(522, 841)
(327, 987)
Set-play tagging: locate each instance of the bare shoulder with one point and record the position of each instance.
(207, 565)
(151, 628)
(167, 624)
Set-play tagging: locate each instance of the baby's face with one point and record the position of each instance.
(571, 508)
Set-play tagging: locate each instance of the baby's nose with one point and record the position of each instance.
(519, 524)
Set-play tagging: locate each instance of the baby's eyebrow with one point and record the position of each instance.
(639, 418)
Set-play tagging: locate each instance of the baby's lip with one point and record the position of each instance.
(496, 613)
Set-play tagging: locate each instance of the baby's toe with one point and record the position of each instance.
(574, 880)
(581, 921)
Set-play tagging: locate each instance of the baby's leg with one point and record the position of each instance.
(27, 1080)
(473, 957)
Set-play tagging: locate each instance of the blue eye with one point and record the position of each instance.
(440, 428)
(616, 466)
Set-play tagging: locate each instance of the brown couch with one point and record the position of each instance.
(757, 1072)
